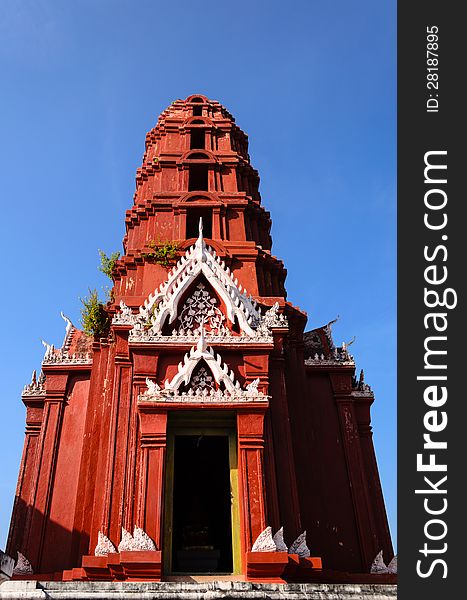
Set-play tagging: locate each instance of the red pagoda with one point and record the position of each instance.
(204, 432)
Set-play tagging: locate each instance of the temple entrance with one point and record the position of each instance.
(202, 530)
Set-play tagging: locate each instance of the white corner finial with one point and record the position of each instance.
(200, 227)
(69, 327)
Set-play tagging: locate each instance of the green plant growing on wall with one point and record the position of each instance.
(162, 252)
(108, 262)
(94, 317)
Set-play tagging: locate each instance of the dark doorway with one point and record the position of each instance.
(202, 529)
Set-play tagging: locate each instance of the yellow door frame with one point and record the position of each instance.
(195, 430)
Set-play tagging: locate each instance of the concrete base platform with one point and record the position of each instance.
(181, 590)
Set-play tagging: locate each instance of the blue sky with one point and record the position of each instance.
(311, 82)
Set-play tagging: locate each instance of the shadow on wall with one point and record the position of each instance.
(47, 545)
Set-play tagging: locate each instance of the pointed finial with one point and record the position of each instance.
(68, 322)
(362, 378)
(200, 245)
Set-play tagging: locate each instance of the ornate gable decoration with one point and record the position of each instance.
(200, 308)
(163, 306)
(202, 388)
(70, 353)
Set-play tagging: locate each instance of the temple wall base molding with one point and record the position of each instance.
(34, 590)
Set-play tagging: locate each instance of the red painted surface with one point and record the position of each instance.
(94, 457)
(266, 567)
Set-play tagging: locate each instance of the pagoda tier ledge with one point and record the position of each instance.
(170, 198)
(247, 252)
(67, 366)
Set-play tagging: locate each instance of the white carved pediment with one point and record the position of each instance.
(200, 259)
(201, 381)
(164, 305)
(198, 353)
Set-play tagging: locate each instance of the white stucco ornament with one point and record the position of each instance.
(23, 566)
(392, 566)
(264, 542)
(127, 543)
(153, 387)
(278, 539)
(299, 546)
(378, 565)
(104, 546)
(142, 541)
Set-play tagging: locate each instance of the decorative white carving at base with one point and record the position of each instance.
(23, 566)
(127, 543)
(299, 546)
(278, 539)
(142, 541)
(104, 546)
(392, 566)
(264, 542)
(378, 565)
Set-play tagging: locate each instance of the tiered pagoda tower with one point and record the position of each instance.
(205, 420)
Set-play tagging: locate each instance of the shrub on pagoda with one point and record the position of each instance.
(94, 317)
(108, 262)
(162, 252)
